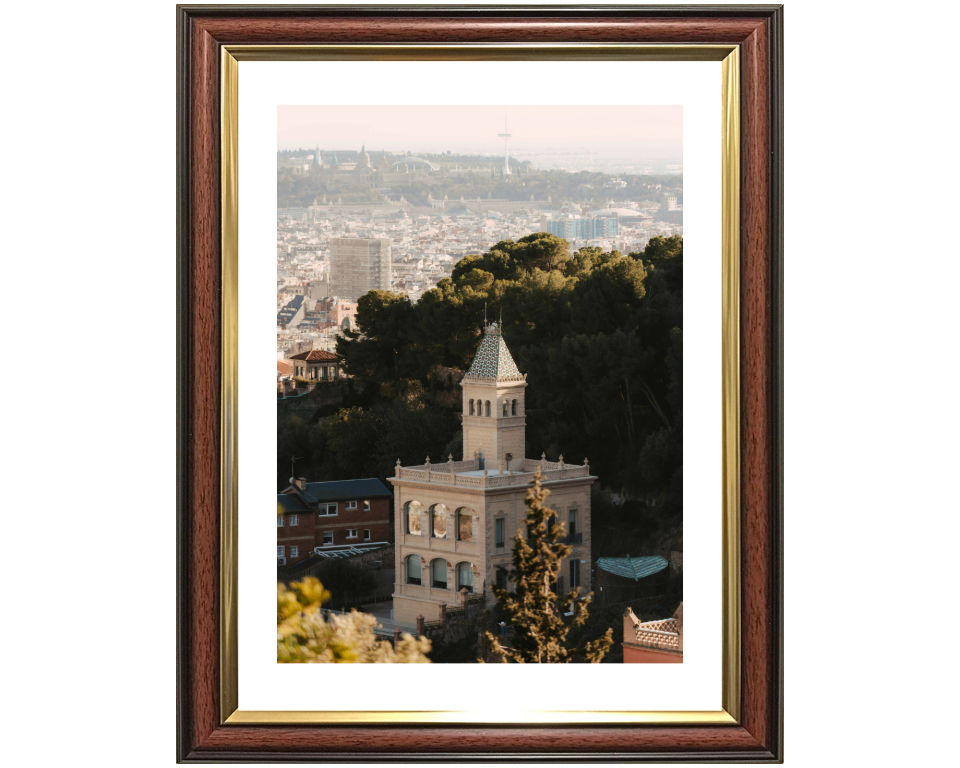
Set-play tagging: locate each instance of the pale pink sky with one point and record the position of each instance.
(656, 129)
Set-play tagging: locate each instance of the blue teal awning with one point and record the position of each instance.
(634, 568)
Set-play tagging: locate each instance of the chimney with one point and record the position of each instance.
(301, 483)
(630, 624)
(678, 615)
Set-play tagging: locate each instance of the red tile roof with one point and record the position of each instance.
(315, 356)
(284, 368)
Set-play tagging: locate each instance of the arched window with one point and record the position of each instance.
(412, 515)
(438, 573)
(488, 407)
(465, 524)
(465, 577)
(513, 411)
(471, 407)
(504, 407)
(438, 521)
(413, 569)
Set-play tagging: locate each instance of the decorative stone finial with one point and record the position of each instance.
(561, 458)
(428, 460)
(450, 458)
(543, 456)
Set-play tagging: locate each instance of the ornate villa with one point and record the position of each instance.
(455, 520)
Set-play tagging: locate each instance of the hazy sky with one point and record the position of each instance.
(641, 129)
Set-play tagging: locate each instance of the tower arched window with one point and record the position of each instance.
(413, 569)
(465, 577)
(513, 408)
(488, 407)
(438, 521)
(438, 573)
(465, 524)
(411, 514)
(471, 407)
(505, 405)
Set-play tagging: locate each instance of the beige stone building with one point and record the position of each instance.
(359, 265)
(455, 520)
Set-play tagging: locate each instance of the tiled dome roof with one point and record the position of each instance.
(493, 361)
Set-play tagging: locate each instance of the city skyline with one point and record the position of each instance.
(645, 132)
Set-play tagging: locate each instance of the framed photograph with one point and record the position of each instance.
(501, 410)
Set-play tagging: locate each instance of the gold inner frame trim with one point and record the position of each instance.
(729, 57)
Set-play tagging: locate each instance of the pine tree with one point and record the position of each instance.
(535, 611)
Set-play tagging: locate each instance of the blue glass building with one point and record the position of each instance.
(583, 228)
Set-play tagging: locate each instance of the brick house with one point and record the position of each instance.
(342, 512)
(317, 365)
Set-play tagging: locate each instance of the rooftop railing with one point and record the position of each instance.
(658, 639)
(452, 473)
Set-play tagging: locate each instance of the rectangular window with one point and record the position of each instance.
(279, 550)
(572, 527)
(326, 510)
(323, 372)
(366, 505)
(294, 519)
(351, 505)
(294, 551)
(351, 533)
(499, 529)
(574, 573)
(327, 537)
(279, 521)
(366, 534)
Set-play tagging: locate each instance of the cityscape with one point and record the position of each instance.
(408, 288)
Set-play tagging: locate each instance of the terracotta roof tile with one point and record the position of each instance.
(315, 356)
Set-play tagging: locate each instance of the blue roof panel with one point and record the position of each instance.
(368, 488)
(634, 568)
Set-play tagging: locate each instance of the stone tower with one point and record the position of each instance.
(494, 422)
(454, 520)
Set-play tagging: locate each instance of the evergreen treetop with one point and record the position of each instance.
(534, 609)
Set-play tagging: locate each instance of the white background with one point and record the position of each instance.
(871, 409)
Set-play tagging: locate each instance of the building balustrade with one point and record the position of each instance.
(449, 473)
(658, 638)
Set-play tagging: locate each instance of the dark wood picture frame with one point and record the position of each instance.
(202, 31)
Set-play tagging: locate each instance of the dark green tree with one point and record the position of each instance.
(534, 610)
